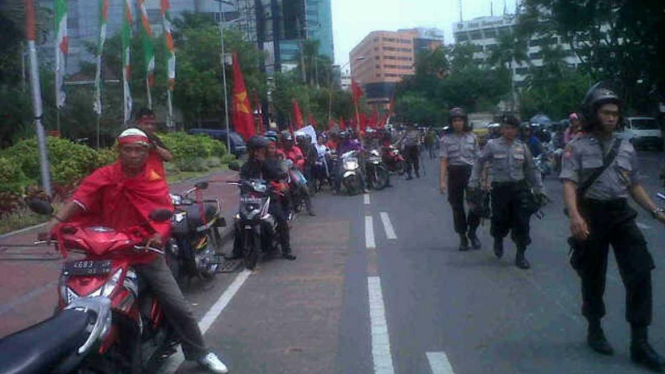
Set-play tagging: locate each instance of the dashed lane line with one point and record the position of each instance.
(173, 363)
(438, 363)
(388, 226)
(366, 199)
(383, 360)
(370, 243)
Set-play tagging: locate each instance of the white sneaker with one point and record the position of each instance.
(213, 363)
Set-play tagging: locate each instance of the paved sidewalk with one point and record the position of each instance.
(30, 275)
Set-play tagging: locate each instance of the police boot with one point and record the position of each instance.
(475, 242)
(498, 247)
(596, 339)
(641, 351)
(464, 243)
(520, 260)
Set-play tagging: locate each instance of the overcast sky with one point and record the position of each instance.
(354, 19)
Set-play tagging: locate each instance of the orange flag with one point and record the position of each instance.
(297, 115)
(243, 119)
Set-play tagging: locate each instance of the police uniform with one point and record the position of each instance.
(611, 221)
(412, 151)
(461, 151)
(513, 174)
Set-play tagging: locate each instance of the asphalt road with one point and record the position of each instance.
(392, 294)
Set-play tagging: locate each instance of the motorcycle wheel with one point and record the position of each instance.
(352, 185)
(400, 167)
(380, 178)
(252, 246)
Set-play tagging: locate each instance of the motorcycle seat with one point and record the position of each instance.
(40, 348)
(194, 214)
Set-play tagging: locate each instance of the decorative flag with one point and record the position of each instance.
(170, 46)
(342, 125)
(243, 120)
(357, 91)
(373, 119)
(148, 52)
(61, 51)
(126, 59)
(103, 16)
(297, 115)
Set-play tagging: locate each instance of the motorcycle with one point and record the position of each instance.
(377, 174)
(393, 160)
(545, 163)
(298, 187)
(60, 344)
(192, 249)
(139, 336)
(255, 227)
(351, 172)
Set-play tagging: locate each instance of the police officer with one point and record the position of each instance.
(459, 151)
(600, 216)
(411, 143)
(514, 175)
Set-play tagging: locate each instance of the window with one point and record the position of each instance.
(388, 48)
(388, 39)
(476, 35)
(490, 34)
(378, 66)
(536, 55)
(377, 57)
(405, 41)
(535, 42)
(521, 71)
(462, 38)
(378, 75)
(376, 40)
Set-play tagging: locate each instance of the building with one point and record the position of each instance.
(319, 26)
(383, 58)
(484, 31)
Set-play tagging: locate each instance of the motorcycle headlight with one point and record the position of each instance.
(351, 164)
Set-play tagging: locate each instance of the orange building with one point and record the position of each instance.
(382, 58)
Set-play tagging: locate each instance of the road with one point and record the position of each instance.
(380, 287)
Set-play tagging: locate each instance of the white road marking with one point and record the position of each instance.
(369, 233)
(366, 198)
(643, 226)
(173, 363)
(438, 362)
(383, 360)
(390, 231)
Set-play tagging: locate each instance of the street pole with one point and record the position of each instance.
(36, 95)
(226, 95)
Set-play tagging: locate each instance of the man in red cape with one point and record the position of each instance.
(123, 195)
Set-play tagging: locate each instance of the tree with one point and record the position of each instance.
(615, 39)
(509, 50)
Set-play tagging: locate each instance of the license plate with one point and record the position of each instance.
(87, 267)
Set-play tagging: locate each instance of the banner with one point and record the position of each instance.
(127, 60)
(103, 17)
(61, 51)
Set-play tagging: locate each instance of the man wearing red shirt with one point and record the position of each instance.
(123, 195)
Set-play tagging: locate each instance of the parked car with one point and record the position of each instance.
(238, 146)
(643, 132)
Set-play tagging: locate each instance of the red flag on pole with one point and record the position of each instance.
(342, 125)
(373, 119)
(312, 121)
(357, 91)
(362, 123)
(297, 115)
(243, 119)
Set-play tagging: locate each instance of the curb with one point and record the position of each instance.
(21, 231)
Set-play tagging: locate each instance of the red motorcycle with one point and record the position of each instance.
(393, 159)
(139, 336)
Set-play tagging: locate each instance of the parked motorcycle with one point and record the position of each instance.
(545, 163)
(139, 336)
(351, 172)
(60, 344)
(377, 174)
(255, 227)
(193, 248)
(393, 160)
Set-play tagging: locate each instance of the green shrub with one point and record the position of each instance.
(12, 178)
(228, 158)
(184, 146)
(213, 162)
(218, 148)
(106, 156)
(197, 164)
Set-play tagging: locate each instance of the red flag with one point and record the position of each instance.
(342, 125)
(362, 125)
(373, 119)
(297, 115)
(243, 119)
(357, 91)
(312, 121)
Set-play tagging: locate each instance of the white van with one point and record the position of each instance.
(643, 132)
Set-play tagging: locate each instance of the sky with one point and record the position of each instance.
(354, 19)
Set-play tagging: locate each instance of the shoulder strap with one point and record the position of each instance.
(607, 161)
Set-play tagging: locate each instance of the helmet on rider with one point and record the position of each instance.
(287, 137)
(271, 136)
(344, 135)
(257, 142)
(457, 113)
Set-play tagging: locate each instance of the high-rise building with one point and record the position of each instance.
(483, 32)
(319, 26)
(383, 58)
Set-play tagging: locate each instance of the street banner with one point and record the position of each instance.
(61, 51)
(103, 17)
(243, 119)
(148, 51)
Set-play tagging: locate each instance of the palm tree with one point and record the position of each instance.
(509, 50)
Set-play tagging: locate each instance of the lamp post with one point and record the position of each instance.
(226, 95)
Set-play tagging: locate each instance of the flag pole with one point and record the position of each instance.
(226, 95)
(36, 95)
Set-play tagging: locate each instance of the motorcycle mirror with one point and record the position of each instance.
(39, 206)
(161, 215)
(233, 165)
(201, 185)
